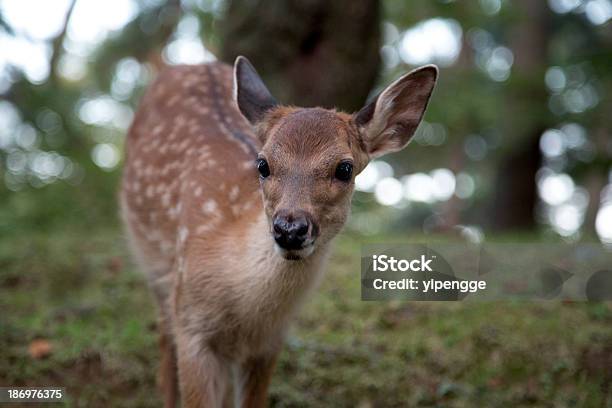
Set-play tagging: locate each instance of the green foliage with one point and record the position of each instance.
(60, 206)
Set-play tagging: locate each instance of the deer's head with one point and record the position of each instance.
(310, 156)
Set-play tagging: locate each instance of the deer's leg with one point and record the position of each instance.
(167, 366)
(167, 373)
(255, 375)
(203, 375)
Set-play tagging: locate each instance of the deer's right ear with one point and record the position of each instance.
(250, 93)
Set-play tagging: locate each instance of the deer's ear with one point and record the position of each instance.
(388, 122)
(250, 93)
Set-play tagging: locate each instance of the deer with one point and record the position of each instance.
(230, 202)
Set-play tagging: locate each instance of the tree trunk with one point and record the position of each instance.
(527, 113)
(309, 52)
(516, 194)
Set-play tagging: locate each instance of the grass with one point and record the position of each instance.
(77, 289)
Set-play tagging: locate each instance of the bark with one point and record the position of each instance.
(309, 52)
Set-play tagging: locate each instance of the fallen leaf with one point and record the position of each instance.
(40, 348)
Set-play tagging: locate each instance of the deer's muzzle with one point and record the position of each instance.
(293, 230)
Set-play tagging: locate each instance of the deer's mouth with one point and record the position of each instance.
(295, 254)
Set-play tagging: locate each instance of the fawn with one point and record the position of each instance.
(230, 202)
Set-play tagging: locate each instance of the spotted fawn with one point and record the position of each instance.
(230, 201)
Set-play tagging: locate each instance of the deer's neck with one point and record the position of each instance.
(271, 285)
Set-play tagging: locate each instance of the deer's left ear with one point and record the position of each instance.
(388, 122)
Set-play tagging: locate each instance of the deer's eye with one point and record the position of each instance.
(344, 171)
(263, 168)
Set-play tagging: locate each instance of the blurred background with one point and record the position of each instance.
(515, 145)
(516, 138)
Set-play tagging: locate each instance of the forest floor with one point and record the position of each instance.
(75, 313)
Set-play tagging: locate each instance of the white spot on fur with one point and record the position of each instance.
(209, 206)
(173, 100)
(157, 130)
(234, 192)
(202, 229)
(183, 234)
(181, 264)
(166, 199)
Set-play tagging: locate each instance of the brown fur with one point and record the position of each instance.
(193, 209)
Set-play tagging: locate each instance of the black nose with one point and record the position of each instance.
(291, 230)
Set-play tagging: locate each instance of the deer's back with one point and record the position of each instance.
(189, 162)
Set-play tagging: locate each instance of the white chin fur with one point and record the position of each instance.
(294, 255)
